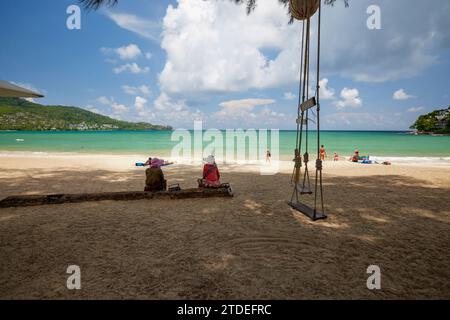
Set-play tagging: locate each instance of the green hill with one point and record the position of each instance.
(19, 114)
(437, 121)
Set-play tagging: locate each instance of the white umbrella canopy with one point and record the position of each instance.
(8, 90)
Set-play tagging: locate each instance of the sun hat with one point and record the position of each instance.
(156, 163)
(210, 159)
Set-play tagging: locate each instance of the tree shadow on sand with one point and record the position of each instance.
(253, 246)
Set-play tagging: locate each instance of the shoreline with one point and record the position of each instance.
(126, 162)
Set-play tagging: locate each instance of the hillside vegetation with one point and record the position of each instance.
(437, 121)
(20, 114)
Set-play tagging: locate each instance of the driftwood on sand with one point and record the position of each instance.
(37, 200)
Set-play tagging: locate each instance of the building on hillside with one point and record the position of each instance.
(442, 119)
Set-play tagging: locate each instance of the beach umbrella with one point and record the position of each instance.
(9, 90)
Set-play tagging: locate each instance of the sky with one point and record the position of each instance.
(175, 62)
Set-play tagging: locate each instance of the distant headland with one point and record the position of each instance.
(22, 115)
(436, 122)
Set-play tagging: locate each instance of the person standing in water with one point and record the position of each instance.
(268, 156)
(335, 157)
(323, 153)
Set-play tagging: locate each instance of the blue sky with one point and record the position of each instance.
(173, 62)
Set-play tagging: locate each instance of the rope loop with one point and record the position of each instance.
(319, 165)
(306, 157)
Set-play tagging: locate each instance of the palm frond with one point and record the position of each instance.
(251, 5)
(96, 4)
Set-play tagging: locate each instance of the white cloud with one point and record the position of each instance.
(129, 52)
(215, 46)
(166, 110)
(349, 98)
(146, 28)
(119, 108)
(403, 48)
(245, 113)
(165, 103)
(415, 109)
(326, 92)
(289, 96)
(139, 103)
(144, 90)
(131, 67)
(104, 100)
(92, 109)
(401, 95)
(148, 55)
(245, 104)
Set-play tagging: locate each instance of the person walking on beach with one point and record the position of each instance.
(323, 153)
(268, 156)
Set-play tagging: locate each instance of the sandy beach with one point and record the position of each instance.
(252, 246)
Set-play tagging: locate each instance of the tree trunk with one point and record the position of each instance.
(37, 200)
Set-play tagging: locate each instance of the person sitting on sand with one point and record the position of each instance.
(323, 153)
(155, 177)
(211, 174)
(335, 157)
(355, 157)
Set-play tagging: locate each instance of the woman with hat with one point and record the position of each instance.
(154, 180)
(211, 174)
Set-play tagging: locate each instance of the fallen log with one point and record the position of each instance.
(38, 200)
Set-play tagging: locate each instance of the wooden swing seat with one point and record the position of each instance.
(308, 211)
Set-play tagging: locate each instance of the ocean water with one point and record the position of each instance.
(400, 146)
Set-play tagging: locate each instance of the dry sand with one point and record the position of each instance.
(252, 246)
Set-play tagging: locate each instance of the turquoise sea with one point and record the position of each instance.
(375, 144)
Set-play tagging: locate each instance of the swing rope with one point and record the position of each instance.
(319, 164)
(304, 187)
